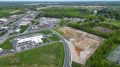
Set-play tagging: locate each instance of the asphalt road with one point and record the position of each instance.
(67, 60)
(5, 52)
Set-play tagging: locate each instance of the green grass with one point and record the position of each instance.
(7, 44)
(54, 38)
(46, 56)
(45, 40)
(46, 32)
(98, 59)
(74, 64)
(6, 12)
(2, 33)
(35, 22)
(23, 28)
(112, 22)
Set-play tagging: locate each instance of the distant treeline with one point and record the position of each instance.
(68, 12)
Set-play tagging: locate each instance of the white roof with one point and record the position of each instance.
(1, 49)
(3, 19)
(36, 39)
(18, 30)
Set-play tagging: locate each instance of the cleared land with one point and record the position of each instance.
(102, 29)
(46, 56)
(82, 44)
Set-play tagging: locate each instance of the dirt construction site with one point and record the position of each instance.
(82, 44)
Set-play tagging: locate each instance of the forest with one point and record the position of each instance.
(98, 59)
(68, 12)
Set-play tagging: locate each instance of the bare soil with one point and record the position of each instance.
(82, 45)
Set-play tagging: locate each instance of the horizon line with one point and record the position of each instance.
(57, 1)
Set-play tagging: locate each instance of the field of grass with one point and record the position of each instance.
(54, 38)
(23, 28)
(74, 64)
(6, 12)
(46, 56)
(7, 44)
(2, 33)
(112, 22)
(46, 32)
(45, 40)
(35, 22)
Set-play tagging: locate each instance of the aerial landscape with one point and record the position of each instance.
(60, 33)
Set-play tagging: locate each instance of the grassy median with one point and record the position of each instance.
(7, 44)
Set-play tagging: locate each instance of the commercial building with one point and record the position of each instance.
(25, 43)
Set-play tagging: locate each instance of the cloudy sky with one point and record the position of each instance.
(59, 0)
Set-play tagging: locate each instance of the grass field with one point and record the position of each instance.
(74, 64)
(6, 12)
(46, 32)
(45, 40)
(7, 44)
(54, 38)
(113, 22)
(23, 28)
(46, 56)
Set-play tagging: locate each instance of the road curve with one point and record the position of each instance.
(67, 60)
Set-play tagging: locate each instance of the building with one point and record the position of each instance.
(49, 22)
(25, 21)
(25, 43)
(3, 19)
(95, 11)
(27, 18)
(17, 30)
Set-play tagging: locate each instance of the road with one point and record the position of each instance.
(27, 32)
(5, 52)
(67, 60)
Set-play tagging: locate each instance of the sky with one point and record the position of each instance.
(59, 0)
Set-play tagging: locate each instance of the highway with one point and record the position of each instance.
(67, 60)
